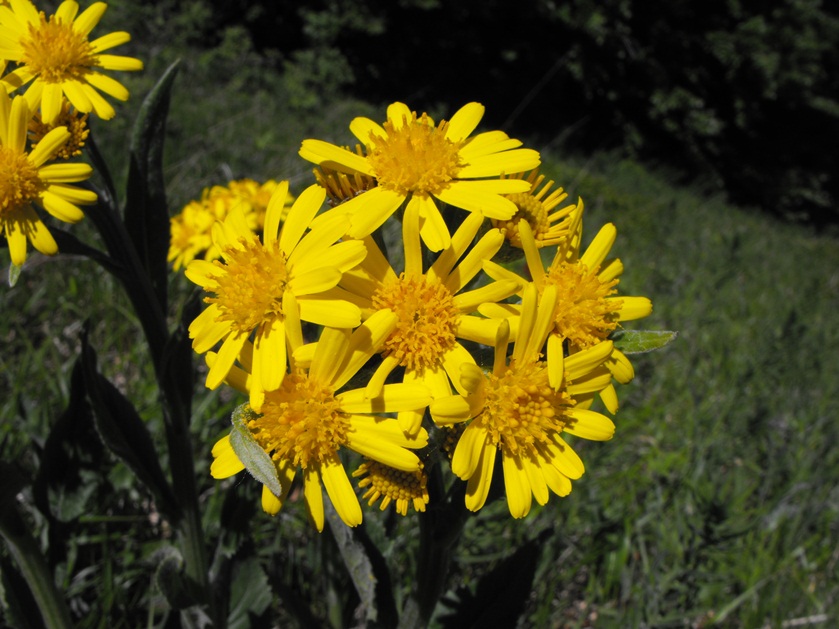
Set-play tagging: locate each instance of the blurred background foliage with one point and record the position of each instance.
(741, 95)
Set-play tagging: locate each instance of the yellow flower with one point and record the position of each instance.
(515, 409)
(191, 229)
(56, 55)
(433, 310)
(74, 121)
(402, 488)
(413, 160)
(306, 422)
(251, 286)
(588, 309)
(533, 206)
(26, 178)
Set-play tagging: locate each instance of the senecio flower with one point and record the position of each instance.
(536, 206)
(588, 309)
(249, 288)
(306, 422)
(27, 179)
(59, 60)
(414, 160)
(517, 411)
(191, 229)
(433, 308)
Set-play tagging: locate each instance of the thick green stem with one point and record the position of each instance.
(35, 571)
(440, 531)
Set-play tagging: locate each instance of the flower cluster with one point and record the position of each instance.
(191, 229)
(360, 319)
(45, 100)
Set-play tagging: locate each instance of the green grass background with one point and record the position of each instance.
(717, 500)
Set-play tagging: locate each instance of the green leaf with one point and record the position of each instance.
(146, 211)
(14, 274)
(250, 453)
(357, 562)
(250, 594)
(170, 578)
(122, 430)
(642, 341)
(501, 594)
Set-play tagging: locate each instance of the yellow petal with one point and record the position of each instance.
(519, 496)
(477, 488)
(334, 157)
(464, 121)
(340, 491)
(589, 424)
(314, 496)
(225, 462)
(467, 453)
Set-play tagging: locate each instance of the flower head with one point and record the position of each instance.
(308, 420)
(415, 160)
(57, 57)
(74, 121)
(433, 308)
(536, 206)
(27, 179)
(401, 488)
(249, 290)
(515, 410)
(588, 308)
(191, 229)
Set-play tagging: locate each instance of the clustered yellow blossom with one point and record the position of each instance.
(377, 318)
(50, 80)
(191, 229)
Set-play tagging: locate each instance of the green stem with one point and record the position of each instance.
(35, 571)
(440, 531)
(143, 298)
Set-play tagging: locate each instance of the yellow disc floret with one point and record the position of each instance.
(57, 52)
(401, 488)
(301, 422)
(19, 180)
(583, 313)
(522, 410)
(415, 157)
(250, 288)
(427, 320)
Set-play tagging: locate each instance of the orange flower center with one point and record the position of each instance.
(250, 287)
(416, 157)
(583, 313)
(427, 320)
(301, 422)
(56, 52)
(19, 181)
(521, 409)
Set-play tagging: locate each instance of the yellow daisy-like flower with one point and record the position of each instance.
(588, 309)
(401, 488)
(414, 160)
(57, 57)
(75, 122)
(536, 206)
(27, 179)
(517, 411)
(306, 422)
(250, 287)
(191, 229)
(433, 310)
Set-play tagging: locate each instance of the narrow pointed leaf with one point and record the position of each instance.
(642, 341)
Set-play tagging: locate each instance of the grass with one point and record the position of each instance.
(716, 503)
